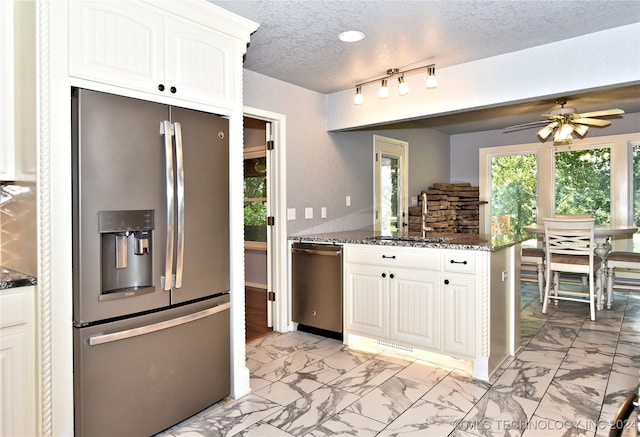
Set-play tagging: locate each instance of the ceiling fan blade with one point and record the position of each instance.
(601, 113)
(526, 125)
(591, 122)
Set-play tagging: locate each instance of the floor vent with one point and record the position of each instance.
(394, 345)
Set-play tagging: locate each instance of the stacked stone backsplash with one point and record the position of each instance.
(450, 208)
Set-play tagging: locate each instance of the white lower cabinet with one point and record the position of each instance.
(458, 315)
(17, 362)
(412, 297)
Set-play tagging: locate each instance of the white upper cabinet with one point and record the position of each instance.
(17, 91)
(138, 46)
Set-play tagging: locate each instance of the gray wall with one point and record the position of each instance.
(323, 168)
(465, 148)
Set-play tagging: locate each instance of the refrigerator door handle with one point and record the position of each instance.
(147, 329)
(180, 199)
(167, 130)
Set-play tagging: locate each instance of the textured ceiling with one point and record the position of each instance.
(297, 40)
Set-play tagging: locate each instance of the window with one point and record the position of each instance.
(514, 196)
(390, 184)
(600, 176)
(583, 183)
(255, 198)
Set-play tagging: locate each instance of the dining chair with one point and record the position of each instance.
(569, 245)
(622, 260)
(535, 255)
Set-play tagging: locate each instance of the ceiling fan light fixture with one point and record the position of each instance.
(383, 93)
(563, 135)
(403, 88)
(358, 99)
(544, 133)
(580, 129)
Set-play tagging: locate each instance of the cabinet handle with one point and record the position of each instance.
(161, 87)
(391, 276)
(173, 90)
(391, 257)
(446, 282)
(384, 275)
(458, 262)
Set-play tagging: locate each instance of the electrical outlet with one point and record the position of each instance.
(308, 213)
(414, 200)
(323, 212)
(291, 213)
(348, 200)
(504, 276)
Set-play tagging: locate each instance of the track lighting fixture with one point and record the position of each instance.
(358, 99)
(432, 80)
(383, 93)
(403, 87)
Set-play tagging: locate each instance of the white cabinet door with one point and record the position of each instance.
(7, 147)
(414, 307)
(199, 63)
(133, 45)
(458, 308)
(17, 362)
(366, 300)
(118, 43)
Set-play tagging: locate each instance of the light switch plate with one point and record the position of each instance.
(348, 200)
(291, 213)
(308, 213)
(323, 212)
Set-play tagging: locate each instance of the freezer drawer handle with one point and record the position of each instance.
(317, 252)
(122, 335)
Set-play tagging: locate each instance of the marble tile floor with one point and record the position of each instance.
(567, 379)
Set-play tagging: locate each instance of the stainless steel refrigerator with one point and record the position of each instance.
(150, 263)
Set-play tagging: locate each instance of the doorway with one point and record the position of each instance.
(390, 182)
(265, 227)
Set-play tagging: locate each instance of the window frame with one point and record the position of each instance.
(621, 177)
(252, 153)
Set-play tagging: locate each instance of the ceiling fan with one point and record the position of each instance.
(565, 121)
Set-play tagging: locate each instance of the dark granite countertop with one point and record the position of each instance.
(431, 240)
(12, 279)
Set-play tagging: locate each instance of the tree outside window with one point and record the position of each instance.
(513, 193)
(583, 183)
(255, 199)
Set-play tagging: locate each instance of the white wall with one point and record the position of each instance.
(323, 168)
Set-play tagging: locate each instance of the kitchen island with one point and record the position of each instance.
(451, 299)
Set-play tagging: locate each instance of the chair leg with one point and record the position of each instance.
(592, 297)
(540, 281)
(556, 285)
(547, 290)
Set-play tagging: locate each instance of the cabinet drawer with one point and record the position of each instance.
(13, 308)
(424, 259)
(460, 262)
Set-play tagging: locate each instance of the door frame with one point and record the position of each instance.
(277, 248)
(379, 149)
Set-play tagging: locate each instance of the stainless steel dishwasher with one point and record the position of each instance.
(317, 286)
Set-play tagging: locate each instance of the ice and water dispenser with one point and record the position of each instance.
(126, 252)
